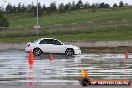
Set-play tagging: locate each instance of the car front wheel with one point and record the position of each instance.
(69, 52)
(37, 52)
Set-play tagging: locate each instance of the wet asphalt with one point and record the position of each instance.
(62, 70)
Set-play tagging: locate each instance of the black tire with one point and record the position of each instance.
(69, 52)
(37, 51)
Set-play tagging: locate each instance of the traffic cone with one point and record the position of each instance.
(30, 58)
(51, 56)
(126, 55)
(86, 74)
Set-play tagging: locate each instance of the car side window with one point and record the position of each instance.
(42, 42)
(45, 41)
(56, 42)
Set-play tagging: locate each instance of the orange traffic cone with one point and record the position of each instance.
(126, 55)
(86, 75)
(51, 56)
(30, 58)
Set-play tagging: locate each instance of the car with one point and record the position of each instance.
(51, 45)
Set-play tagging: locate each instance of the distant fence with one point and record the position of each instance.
(61, 29)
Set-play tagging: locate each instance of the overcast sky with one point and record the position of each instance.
(47, 2)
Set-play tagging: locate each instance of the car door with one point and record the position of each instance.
(45, 45)
(57, 46)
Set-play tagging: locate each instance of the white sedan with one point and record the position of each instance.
(51, 45)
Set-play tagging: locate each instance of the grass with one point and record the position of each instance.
(77, 16)
(112, 35)
(99, 29)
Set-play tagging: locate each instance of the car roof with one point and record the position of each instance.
(46, 38)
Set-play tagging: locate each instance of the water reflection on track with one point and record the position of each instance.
(14, 67)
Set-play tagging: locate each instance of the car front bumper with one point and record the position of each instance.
(27, 49)
(77, 51)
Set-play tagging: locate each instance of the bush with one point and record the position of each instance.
(3, 21)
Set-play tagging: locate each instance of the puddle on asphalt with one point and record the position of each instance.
(14, 67)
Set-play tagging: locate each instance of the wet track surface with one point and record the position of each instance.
(14, 67)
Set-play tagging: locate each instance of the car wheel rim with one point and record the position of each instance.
(37, 52)
(69, 52)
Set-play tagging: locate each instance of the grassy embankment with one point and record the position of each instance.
(107, 24)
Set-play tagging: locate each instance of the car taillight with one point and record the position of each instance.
(28, 45)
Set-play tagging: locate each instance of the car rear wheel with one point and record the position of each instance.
(69, 52)
(37, 51)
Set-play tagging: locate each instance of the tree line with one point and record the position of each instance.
(43, 10)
